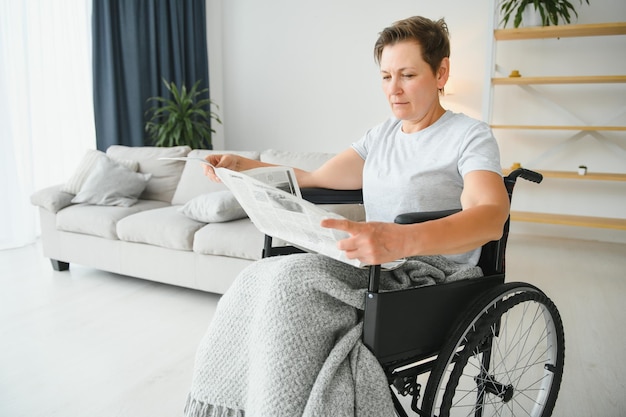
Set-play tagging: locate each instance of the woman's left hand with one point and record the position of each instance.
(371, 242)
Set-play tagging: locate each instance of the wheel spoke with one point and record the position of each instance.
(510, 363)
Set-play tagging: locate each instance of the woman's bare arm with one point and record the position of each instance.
(342, 172)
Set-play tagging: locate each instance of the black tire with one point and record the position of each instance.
(505, 359)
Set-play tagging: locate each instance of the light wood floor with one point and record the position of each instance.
(90, 343)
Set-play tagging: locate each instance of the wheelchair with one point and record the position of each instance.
(478, 347)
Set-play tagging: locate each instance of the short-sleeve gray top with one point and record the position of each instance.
(423, 171)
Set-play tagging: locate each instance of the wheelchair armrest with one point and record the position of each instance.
(420, 217)
(524, 173)
(330, 196)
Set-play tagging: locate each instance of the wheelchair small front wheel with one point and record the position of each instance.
(506, 361)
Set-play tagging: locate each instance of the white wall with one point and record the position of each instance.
(299, 75)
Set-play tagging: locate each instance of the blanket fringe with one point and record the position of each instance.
(195, 408)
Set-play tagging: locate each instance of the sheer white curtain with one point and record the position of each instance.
(46, 105)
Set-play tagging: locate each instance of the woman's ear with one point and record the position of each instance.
(443, 73)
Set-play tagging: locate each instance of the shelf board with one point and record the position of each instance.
(576, 79)
(569, 220)
(544, 127)
(571, 175)
(561, 31)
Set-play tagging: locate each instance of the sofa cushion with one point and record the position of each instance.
(193, 182)
(165, 174)
(238, 239)
(308, 161)
(99, 220)
(216, 207)
(112, 184)
(164, 227)
(86, 166)
(52, 198)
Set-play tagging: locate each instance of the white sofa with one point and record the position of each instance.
(160, 237)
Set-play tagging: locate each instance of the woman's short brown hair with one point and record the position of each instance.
(431, 35)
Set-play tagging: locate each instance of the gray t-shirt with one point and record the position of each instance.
(423, 171)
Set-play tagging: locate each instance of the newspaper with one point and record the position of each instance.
(272, 199)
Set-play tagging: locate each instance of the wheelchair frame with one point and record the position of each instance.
(498, 352)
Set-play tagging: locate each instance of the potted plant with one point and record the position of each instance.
(550, 11)
(182, 119)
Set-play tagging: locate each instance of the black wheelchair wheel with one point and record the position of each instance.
(504, 359)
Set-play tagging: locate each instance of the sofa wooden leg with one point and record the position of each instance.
(59, 265)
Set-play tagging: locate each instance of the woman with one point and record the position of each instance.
(285, 338)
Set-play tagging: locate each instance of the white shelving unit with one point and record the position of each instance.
(496, 80)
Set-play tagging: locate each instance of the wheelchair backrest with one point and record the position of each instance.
(492, 258)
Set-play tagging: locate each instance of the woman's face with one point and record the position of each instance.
(410, 85)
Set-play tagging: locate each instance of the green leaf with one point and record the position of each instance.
(551, 11)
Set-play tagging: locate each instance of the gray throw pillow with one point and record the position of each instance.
(215, 207)
(85, 167)
(111, 184)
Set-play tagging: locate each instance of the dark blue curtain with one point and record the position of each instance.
(137, 44)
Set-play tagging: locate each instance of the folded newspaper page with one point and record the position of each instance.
(272, 199)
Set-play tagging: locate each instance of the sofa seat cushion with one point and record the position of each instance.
(237, 239)
(99, 220)
(165, 227)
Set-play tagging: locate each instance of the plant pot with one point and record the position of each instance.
(531, 17)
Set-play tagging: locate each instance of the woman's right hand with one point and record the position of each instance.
(229, 161)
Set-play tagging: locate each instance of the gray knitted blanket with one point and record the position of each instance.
(286, 340)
